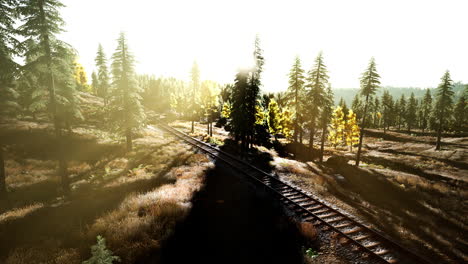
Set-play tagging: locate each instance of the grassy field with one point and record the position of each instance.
(134, 200)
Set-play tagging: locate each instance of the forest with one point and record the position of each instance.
(91, 170)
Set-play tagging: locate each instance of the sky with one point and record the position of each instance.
(412, 41)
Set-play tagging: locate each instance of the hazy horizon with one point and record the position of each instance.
(166, 37)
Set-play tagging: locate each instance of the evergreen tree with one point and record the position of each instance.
(402, 111)
(239, 113)
(426, 107)
(295, 94)
(369, 84)
(126, 112)
(460, 113)
(356, 106)
(351, 130)
(274, 118)
(387, 109)
(252, 95)
(327, 108)
(41, 22)
(336, 130)
(318, 80)
(8, 72)
(195, 93)
(245, 103)
(103, 83)
(443, 105)
(376, 113)
(411, 112)
(100, 253)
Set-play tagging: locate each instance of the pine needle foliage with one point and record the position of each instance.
(125, 109)
(370, 82)
(295, 94)
(317, 84)
(443, 105)
(103, 78)
(100, 253)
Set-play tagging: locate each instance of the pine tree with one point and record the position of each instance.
(274, 118)
(8, 72)
(460, 113)
(356, 106)
(195, 93)
(239, 119)
(336, 130)
(369, 84)
(252, 95)
(426, 107)
(41, 22)
(402, 111)
(103, 87)
(387, 110)
(443, 105)
(351, 130)
(295, 94)
(377, 113)
(317, 83)
(327, 109)
(100, 253)
(411, 112)
(125, 109)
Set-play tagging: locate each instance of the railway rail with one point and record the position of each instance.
(370, 243)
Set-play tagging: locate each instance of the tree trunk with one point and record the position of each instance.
(192, 124)
(311, 137)
(322, 144)
(439, 135)
(3, 191)
(361, 135)
(300, 135)
(53, 106)
(385, 128)
(128, 136)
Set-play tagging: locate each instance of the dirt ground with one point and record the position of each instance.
(404, 188)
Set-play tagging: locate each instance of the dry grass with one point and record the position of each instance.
(300, 173)
(19, 212)
(28, 172)
(48, 253)
(142, 221)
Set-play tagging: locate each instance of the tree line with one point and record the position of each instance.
(49, 80)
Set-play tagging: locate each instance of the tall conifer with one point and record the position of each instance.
(370, 81)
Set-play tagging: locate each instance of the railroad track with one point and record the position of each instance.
(370, 243)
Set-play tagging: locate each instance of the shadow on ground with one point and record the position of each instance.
(234, 221)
